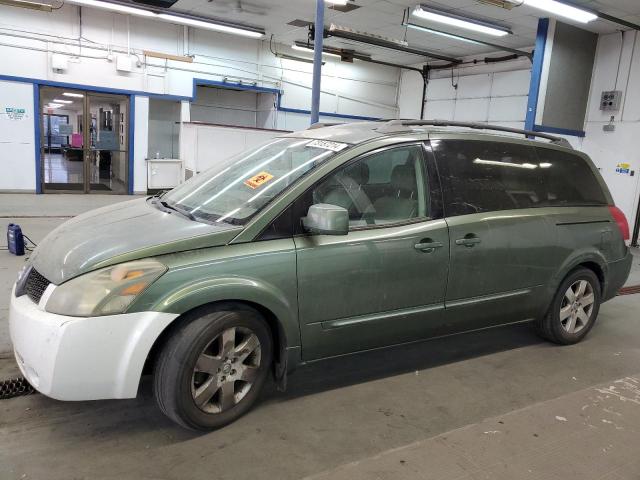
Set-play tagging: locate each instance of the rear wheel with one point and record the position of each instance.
(574, 308)
(212, 370)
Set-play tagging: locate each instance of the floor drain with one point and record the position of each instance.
(629, 290)
(15, 387)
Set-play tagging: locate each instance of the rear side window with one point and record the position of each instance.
(568, 179)
(480, 176)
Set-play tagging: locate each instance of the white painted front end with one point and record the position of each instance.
(73, 358)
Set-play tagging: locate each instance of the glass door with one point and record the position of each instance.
(108, 155)
(61, 140)
(84, 141)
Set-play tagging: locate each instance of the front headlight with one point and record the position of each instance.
(106, 291)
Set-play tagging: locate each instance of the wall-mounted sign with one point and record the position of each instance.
(623, 168)
(14, 113)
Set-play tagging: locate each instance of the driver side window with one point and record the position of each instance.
(382, 188)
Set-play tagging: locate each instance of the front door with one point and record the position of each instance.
(83, 141)
(384, 282)
(502, 254)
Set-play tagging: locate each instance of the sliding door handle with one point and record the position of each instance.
(427, 246)
(468, 241)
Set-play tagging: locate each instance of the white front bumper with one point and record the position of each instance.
(72, 358)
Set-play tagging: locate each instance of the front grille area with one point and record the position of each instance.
(36, 285)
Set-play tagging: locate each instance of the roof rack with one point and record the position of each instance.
(322, 125)
(394, 126)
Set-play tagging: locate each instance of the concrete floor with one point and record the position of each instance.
(497, 404)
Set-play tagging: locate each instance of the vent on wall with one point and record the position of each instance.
(350, 6)
(299, 23)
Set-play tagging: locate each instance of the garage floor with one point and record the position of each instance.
(498, 404)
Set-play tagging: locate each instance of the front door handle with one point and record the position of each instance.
(468, 240)
(427, 245)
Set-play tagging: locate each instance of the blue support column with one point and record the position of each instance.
(536, 73)
(317, 62)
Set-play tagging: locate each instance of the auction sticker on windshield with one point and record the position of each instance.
(328, 145)
(258, 180)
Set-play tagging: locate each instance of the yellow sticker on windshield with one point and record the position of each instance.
(258, 180)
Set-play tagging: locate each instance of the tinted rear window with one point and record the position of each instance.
(481, 176)
(568, 179)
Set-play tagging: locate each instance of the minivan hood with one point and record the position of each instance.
(121, 232)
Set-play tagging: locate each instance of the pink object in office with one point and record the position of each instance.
(76, 140)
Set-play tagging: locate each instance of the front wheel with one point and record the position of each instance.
(212, 370)
(574, 308)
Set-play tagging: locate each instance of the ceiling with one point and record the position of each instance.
(384, 17)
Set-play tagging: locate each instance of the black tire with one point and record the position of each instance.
(176, 382)
(551, 327)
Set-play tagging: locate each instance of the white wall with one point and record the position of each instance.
(607, 149)
(17, 138)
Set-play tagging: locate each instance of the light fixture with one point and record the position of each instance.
(75, 95)
(440, 16)
(173, 18)
(337, 29)
(115, 7)
(43, 7)
(441, 33)
(54, 105)
(218, 27)
(58, 100)
(293, 58)
(337, 2)
(563, 10)
(304, 48)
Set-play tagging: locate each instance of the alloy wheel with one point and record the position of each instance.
(577, 306)
(226, 370)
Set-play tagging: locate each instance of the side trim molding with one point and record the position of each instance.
(345, 322)
(487, 298)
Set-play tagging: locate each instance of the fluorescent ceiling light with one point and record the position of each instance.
(58, 100)
(442, 34)
(337, 2)
(562, 10)
(434, 15)
(303, 48)
(115, 7)
(55, 105)
(44, 7)
(76, 95)
(192, 22)
(178, 19)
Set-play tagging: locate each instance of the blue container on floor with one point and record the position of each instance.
(15, 239)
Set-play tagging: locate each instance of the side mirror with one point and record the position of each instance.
(326, 219)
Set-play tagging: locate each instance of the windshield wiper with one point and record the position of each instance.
(181, 211)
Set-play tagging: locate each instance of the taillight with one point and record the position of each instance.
(621, 220)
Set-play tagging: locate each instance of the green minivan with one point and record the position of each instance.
(319, 243)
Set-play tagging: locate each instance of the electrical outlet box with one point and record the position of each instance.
(123, 63)
(610, 100)
(59, 62)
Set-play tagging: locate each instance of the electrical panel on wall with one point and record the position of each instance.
(610, 100)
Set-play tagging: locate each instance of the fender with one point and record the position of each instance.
(235, 288)
(577, 257)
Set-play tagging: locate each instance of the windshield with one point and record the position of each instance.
(240, 186)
